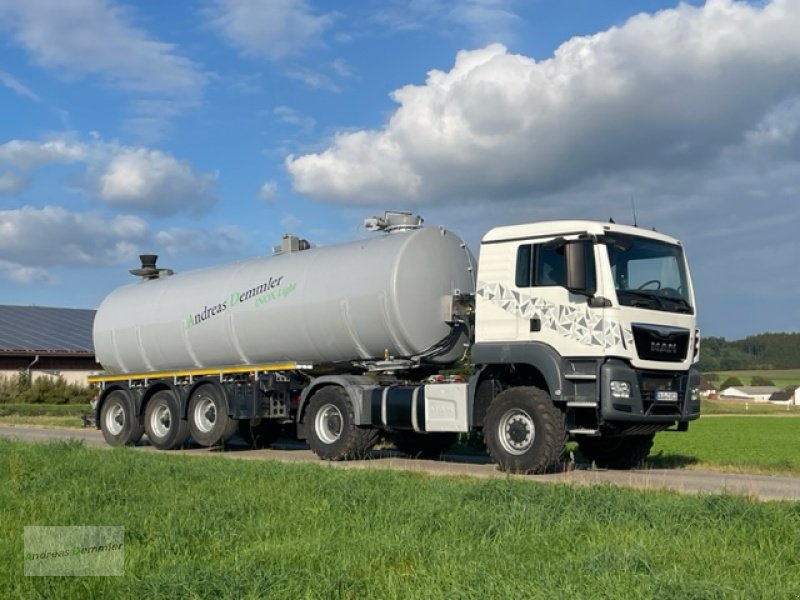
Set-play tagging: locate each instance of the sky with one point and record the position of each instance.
(202, 132)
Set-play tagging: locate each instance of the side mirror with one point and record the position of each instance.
(580, 268)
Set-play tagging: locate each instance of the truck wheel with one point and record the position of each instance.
(333, 434)
(423, 445)
(622, 452)
(208, 420)
(163, 424)
(119, 424)
(259, 433)
(524, 431)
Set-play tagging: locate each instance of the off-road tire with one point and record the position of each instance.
(332, 432)
(524, 431)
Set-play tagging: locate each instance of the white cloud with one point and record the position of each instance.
(12, 183)
(487, 21)
(35, 240)
(122, 176)
(179, 241)
(665, 92)
(273, 30)
(44, 237)
(290, 116)
(269, 191)
(98, 38)
(17, 86)
(22, 274)
(28, 154)
(155, 182)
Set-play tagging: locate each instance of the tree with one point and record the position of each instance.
(760, 380)
(730, 382)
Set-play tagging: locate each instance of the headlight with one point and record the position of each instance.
(620, 389)
(695, 394)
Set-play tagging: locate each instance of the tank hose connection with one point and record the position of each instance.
(392, 221)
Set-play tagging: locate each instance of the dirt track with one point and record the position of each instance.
(764, 487)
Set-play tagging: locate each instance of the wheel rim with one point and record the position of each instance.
(205, 414)
(328, 423)
(516, 432)
(115, 420)
(160, 421)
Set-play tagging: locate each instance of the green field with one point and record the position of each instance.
(215, 528)
(781, 377)
(756, 444)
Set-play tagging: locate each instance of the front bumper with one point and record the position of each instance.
(644, 403)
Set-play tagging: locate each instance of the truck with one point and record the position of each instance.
(569, 330)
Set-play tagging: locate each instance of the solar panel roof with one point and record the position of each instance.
(44, 330)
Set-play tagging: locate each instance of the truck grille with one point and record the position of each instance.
(664, 344)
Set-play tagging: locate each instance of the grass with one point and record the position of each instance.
(737, 407)
(44, 415)
(737, 443)
(211, 527)
(781, 377)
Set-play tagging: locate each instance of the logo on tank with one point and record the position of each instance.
(274, 288)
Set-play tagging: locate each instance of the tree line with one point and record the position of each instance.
(755, 352)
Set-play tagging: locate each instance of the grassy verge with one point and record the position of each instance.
(743, 444)
(736, 407)
(210, 527)
(44, 415)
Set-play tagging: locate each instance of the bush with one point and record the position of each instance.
(730, 382)
(44, 390)
(761, 380)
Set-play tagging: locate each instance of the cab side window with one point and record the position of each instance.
(540, 266)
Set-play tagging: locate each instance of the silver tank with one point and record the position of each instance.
(345, 303)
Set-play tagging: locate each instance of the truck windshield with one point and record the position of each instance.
(648, 273)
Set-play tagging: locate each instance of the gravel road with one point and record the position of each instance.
(763, 487)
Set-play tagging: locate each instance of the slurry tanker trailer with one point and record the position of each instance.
(572, 330)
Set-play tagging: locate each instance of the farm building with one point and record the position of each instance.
(50, 342)
(757, 393)
(785, 397)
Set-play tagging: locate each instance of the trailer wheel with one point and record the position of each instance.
(333, 434)
(208, 420)
(524, 431)
(622, 452)
(423, 445)
(259, 433)
(118, 422)
(163, 424)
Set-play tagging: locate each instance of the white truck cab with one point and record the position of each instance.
(598, 316)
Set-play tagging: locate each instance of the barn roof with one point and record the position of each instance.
(45, 330)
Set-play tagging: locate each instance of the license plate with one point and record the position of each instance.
(664, 396)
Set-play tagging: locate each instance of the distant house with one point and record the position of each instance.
(785, 397)
(44, 341)
(749, 393)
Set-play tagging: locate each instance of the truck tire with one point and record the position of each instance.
(622, 452)
(118, 421)
(259, 433)
(163, 424)
(524, 431)
(333, 434)
(423, 445)
(207, 417)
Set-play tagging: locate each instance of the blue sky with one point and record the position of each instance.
(204, 131)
